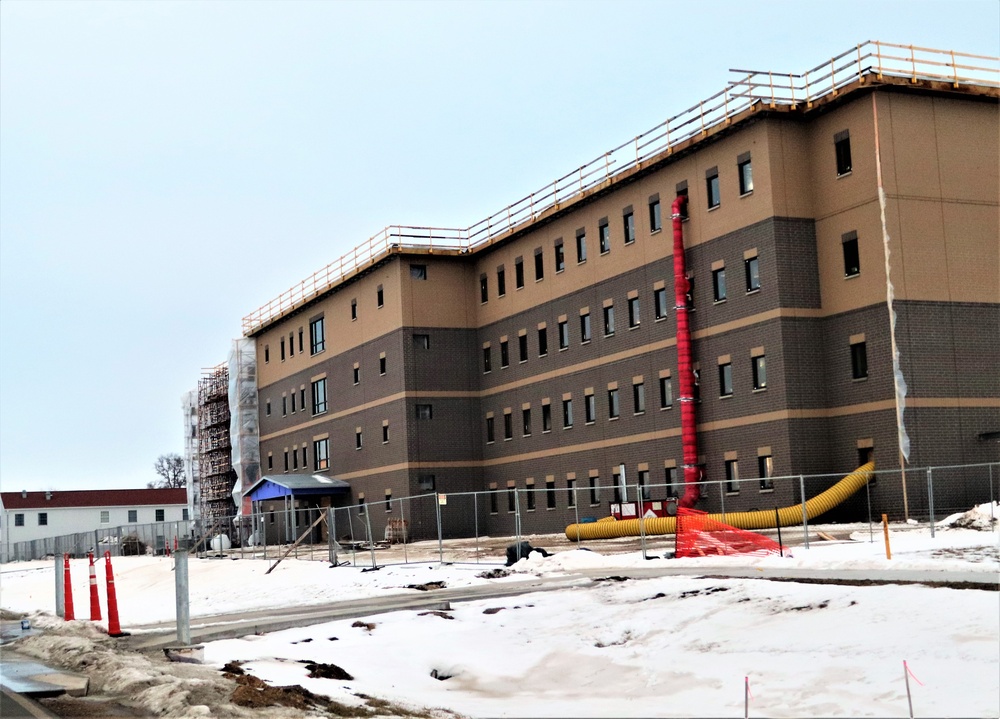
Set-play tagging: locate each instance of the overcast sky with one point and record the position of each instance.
(168, 167)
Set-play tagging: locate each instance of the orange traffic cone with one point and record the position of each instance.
(95, 602)
(114, 628)
(67, 591)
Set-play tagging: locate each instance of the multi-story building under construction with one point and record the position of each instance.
(839, 234)
(216, 475)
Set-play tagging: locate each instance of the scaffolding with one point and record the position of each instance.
(215, 468)
(192, 452)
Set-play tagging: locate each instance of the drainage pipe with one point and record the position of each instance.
(689, 438)
(609, 528)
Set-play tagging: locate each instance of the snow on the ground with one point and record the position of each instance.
(670, 646)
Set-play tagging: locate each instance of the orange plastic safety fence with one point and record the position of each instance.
(700, 536)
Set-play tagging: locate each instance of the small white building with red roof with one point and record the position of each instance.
(27, 515)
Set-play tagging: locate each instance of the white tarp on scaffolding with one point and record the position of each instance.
(244, 430)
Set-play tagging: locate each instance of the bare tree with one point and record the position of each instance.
(170, 467)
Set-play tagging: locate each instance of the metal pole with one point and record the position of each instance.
(475, 515)
(437, 507)
(576, 513)
(992, 519)
(402, 513)
(805, 515)
(930, 497)
(722, 495)
(642, 520)
(181, 592)
(517, 521)
(371, 539)
(777, 523)
(60, 589)
(868, 497)
(331, 553)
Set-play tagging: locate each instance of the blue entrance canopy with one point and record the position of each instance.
(296, 485)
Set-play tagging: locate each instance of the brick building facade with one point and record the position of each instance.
(545, 357)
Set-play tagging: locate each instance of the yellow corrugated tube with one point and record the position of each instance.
(608, 528)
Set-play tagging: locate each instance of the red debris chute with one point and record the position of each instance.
(689, 439)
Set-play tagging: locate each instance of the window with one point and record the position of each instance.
(361, 505)
(765, 470)
(356, 375)
(522, 348)
(745, 171)
(493, 499)
(133, 515)
(590, 408)
(526, 422)
(682, 191)
(508, 425)
(543, 341)
(291, 344)
(267, 408)
(381, 365)
(504, 354)
(563, 334)
(501, 282)
(567, 407)
(286, 460)
(270, 461)
(305, 459)
(666, 393)
(284, 405)
(427, 482)
(424, 411)
(418, 272)
(388, 501)
(719, 284)
(317, 336)
(184, 514)
(321, 453)
(380, 296)
(570, 493)
(518, 273)
(639, 397)
(267, 353)
(859, 360)
(354, 309)
(852, 261)
(759, 372)
(546, 418)
(560, 256)
(539, 265)
(490, 431)
(732, 476)
(613, 408)
(609, 320)
(550, 494)
(595, 490)
(511, 498)
(422, 341)
(660, 303)
(628, 225)
(752, 271)
(105, 516)
(670, 478)
(159, 515)
(633, 312)
(487, 360)
(358, 438)
(644, 484)
(604, 236)
(385, 433)
(689, 295)
(484, 289)
(726, 379)
(282, 349)
(654, 214)
(585, 327)
(300, 341)
(842, 148)
(293, 402)
(530, 496)
(712, 188)
(581, 246)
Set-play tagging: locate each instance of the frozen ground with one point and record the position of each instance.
(672, 646)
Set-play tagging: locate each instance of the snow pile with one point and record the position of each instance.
(983, 518)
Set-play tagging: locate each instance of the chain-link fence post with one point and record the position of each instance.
(992, 518)
(475, 515)
(402, 514)
(60, 595)
(805, 514)
(722, 497)
(930, 497)
(576, 514)
(868, 500)
(642, 521)
(371, 539)
(517, 521)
